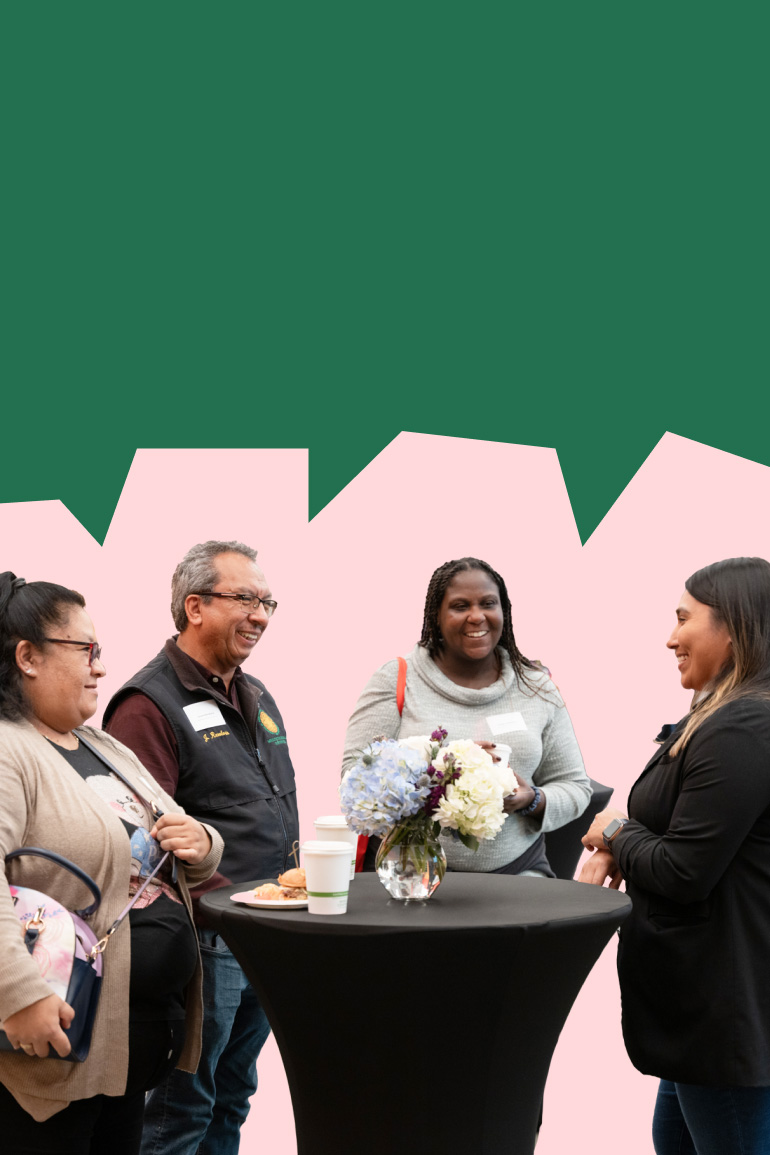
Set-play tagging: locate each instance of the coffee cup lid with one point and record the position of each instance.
(316, 846)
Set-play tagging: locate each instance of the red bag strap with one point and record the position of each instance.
(363, 839)
(401, 684)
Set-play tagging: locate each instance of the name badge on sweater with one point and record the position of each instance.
(504, 723)
(201, 715)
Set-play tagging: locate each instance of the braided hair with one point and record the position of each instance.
(431, 637)
(27, 613)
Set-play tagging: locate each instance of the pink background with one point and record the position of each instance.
(351, 587)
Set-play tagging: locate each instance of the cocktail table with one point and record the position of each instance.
(426, 1027)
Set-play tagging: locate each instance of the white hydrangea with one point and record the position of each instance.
(422, 744)
(469, 754)
(473, 804)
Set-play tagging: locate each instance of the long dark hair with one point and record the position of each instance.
(27, 614)
(737, 591)
(431, 637)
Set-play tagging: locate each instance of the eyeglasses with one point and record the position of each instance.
(246, 601)
(94, 649)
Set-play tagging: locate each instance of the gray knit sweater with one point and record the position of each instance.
(534, 722)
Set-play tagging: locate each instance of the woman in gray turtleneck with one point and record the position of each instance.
(468, 675)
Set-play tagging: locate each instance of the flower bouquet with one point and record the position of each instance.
(407, 790)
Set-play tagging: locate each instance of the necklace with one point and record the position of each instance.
(69, 740)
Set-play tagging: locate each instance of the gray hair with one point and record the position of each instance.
(197, 571)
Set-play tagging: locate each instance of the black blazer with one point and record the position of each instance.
(694, 956)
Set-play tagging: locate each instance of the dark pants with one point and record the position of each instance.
(103, 1123)
(201, 1114)
(692, 1120)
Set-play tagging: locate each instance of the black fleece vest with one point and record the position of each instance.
(240, 781)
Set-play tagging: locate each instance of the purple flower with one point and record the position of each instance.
(433, 799)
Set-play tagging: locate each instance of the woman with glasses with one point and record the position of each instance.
(467, 675)
(695, 854)
(77, 792)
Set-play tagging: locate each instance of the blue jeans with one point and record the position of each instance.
(203, 1113)
(692, 1120)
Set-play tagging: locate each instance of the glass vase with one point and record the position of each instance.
(411, 862)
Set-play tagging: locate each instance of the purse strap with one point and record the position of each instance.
(60, 860)
(31, 932)
(156, 812)
(401, 685)
(102, 943)
(363, 839)
(150, 803)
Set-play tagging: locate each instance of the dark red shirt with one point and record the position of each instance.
(139, 724)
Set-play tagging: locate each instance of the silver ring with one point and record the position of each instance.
(27, 1048)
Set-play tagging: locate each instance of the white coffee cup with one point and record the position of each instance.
(327, 870)
(503, 752)
(334, 828)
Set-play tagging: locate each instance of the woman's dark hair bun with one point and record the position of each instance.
(9, 584)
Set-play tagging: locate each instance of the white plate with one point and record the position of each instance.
(247, 898)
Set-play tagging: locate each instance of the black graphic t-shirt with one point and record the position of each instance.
(164, 950)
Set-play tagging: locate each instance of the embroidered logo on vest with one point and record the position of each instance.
(267, 723)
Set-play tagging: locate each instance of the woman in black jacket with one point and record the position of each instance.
(694, 956)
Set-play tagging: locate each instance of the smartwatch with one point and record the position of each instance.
(610, 832)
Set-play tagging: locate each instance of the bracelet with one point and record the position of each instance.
(533, 805)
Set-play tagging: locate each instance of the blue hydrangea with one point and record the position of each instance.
(389, 782)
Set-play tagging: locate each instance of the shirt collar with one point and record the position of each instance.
(195, 676)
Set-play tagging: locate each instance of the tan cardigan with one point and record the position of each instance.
(44, 802)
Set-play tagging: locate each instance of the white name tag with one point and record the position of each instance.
(204, 714)
(504, 723)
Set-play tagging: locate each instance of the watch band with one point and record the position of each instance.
(533, 805)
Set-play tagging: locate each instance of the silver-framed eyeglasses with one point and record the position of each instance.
(248, 602)
(94, 649)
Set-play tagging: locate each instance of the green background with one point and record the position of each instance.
(318, 224)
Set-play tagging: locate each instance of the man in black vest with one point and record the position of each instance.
(214, 739)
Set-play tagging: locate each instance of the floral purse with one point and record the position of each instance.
(65, 949)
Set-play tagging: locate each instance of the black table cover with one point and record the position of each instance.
(424, 1027)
